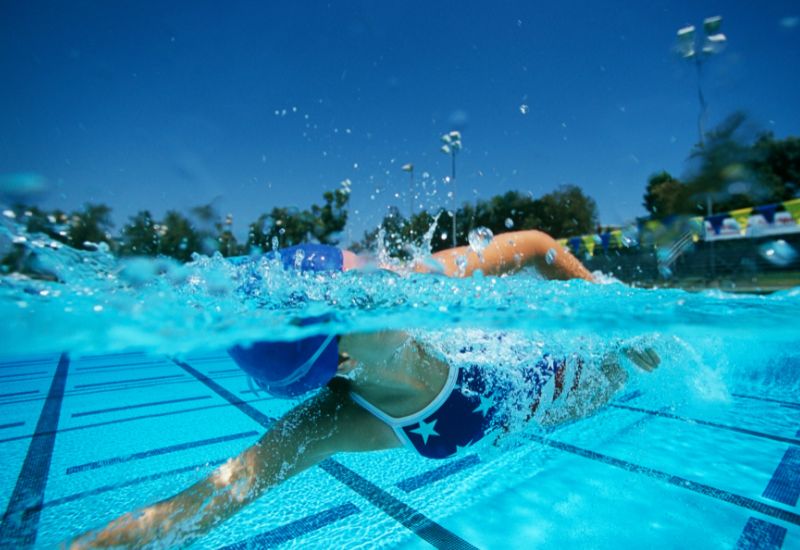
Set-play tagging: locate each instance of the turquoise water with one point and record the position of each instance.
(704, 449)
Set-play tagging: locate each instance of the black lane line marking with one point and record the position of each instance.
(123, 365)
(123, 484)
(428, 530)
(2, 395)
(130, 419)
(629, 396)
(12, 425)
(713, 492)
(115, 382)
(242, 405)
(784, 486)
(73, 393)
(18, 530)
(157, 452)
(761, 535)
(767, 399)
(415, 482)
(291, 531)
(790, 406)
(237, 369)
(37, 373)
(423, 527)
(140, 405)
(782, 439)
(26, 363)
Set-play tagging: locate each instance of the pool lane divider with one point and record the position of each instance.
(18, 529)
(707, 490)
(663, 414)
(415, 521)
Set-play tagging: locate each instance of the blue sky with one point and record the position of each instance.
(173, 104)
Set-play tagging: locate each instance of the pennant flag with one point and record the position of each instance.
(575, 244)
(742, 217)
(616, 238)
(793, 208)
(605, 240)
(562, 243)
(716, 222)
(768, 211)
(588, 242)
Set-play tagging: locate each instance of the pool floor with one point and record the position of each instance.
(85, 439)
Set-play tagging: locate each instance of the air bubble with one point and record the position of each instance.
(479, 238)
(524, 108)
(779, 253)
(509, 223)
(550, 257)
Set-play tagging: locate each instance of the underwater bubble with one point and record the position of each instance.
(524, 109)
(509, 223)
(550, 257)
(479, 238)
(779, 252)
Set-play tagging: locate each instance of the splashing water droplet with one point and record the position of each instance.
(509, 223)
(524, 108)
(479, 238)
(275, 243)
(443, 236)
(550, 257)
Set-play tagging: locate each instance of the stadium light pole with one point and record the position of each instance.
(689, 48)
(452, 144)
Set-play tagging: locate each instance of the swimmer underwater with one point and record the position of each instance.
(374, 391)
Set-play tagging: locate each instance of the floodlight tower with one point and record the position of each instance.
(452, 144)
(688, 47)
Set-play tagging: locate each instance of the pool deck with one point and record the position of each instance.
(86, 439)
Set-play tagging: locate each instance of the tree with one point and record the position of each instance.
(178, 238)
(566, 212)
(776, 166)
(91, 225)
(139, 236)
(664, 195)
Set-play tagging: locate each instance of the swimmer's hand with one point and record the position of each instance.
(645, 358)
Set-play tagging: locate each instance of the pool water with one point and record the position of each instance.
(115, 391)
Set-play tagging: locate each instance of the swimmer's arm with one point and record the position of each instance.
(509, 252)
(315, 430)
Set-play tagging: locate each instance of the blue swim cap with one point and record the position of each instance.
(289, 369)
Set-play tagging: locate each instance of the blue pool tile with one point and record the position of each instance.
(18, 529)
(442, 472)
(139, 405)
(784, 487)
(297, 528)
(761, 535)
(157, 452)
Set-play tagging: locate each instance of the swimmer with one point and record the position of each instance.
(374, 391)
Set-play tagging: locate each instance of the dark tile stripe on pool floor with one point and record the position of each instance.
(766, 399)
(130, 419)
(413, 483)
(417, 522)
(719, 494)
(784, 487)
(18, 529)
(295, 529)
(128, 381)
(11, 425)
(159, 363)
(761, 535)
(662, 414)
(123, 484)
(140, 405)
(29, 392)
(157, 452)
(37, 373)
